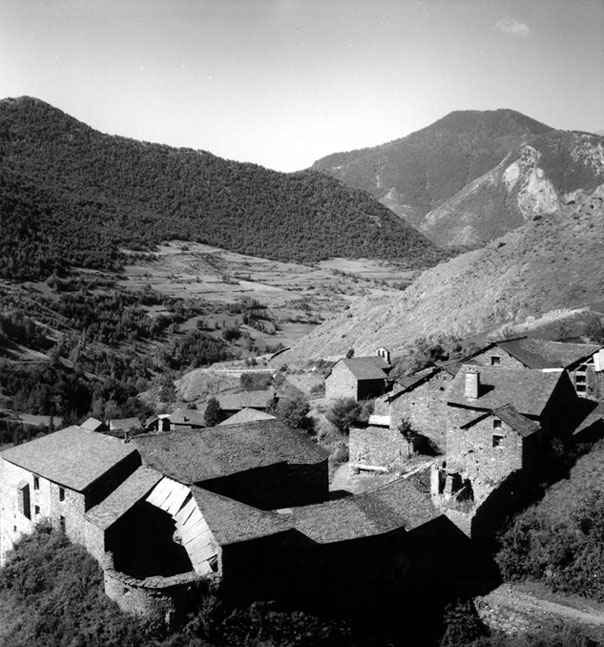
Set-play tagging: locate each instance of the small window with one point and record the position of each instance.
(497, 440)
(36, 483)
(36, 510)
(495, 360)
(62, 523)
(61, 494)
(24, 501)
(496, 424)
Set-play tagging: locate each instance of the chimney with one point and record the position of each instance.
(384, 354)
(472, 383)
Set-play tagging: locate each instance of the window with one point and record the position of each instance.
(62, 523)
(36, 483)
(61, 494)
(496, 424)
(36, 510)
(24, 501)
(495, 360)
(497, 440)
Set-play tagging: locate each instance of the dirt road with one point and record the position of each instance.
(517, 608)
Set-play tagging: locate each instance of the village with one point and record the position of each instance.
(247, 506)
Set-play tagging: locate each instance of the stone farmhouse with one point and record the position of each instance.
(359, 378)
(583, 362)
(245, 507)
(492, 417)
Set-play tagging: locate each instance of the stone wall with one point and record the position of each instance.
(476, 454)
(164, 599)
(306, 484)
(425, 408)
(341, 383)
(377, 447)
(264, 487)
(47, 500)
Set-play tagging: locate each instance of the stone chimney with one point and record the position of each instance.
(384, 354)
(472, 383)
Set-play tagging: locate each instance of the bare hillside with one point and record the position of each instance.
(549, 263)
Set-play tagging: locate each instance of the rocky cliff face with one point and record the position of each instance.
(473, 176)
(537, 180)
(551, 262)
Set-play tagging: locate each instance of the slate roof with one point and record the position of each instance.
(398, 505)
(528, 391)
(131, 491)
(125, 424)
(372, 367)
(521, 424)
(232, 522)
(409, 382)
(92, 424)
(193, 456)
(73, 457)
(187, 417)
(245, 399)
(247, 415)
(543, 353)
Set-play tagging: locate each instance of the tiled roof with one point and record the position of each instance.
(125, 424)
(131, 491)
(187, 417)
(92, 424)
(543, 353)
(247, 415)
(231, 521)
(396, 505)
(196, 455)
(372, 367)
(523, 425)
(528, 391)
(409, 382)
(73, 457)
(245, 399)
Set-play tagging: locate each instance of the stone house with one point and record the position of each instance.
(265, 463)
(584, 362)
(231, 403)
(245, 506)
(417, 398)
(358, 378)
(59, 477)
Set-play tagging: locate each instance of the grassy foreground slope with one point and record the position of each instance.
(71, 195)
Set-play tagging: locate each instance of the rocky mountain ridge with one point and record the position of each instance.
(472, 176)
(548, 263)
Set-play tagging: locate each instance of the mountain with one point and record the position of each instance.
(472, 176)
(70, 195)
(549, 263)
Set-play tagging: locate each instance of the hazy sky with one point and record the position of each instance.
(284, 82)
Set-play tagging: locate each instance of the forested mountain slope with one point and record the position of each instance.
(472, 176)
(71, 195)
(549, 263)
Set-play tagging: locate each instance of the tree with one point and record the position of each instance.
(344, 413)
(213, 413)
(295, 412)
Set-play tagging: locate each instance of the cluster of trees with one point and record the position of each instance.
(564, 551)
(18, 327)
(73, 196)
(194, 349)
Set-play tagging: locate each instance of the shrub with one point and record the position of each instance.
(344, 413)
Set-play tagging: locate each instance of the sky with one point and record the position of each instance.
(283, 83)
